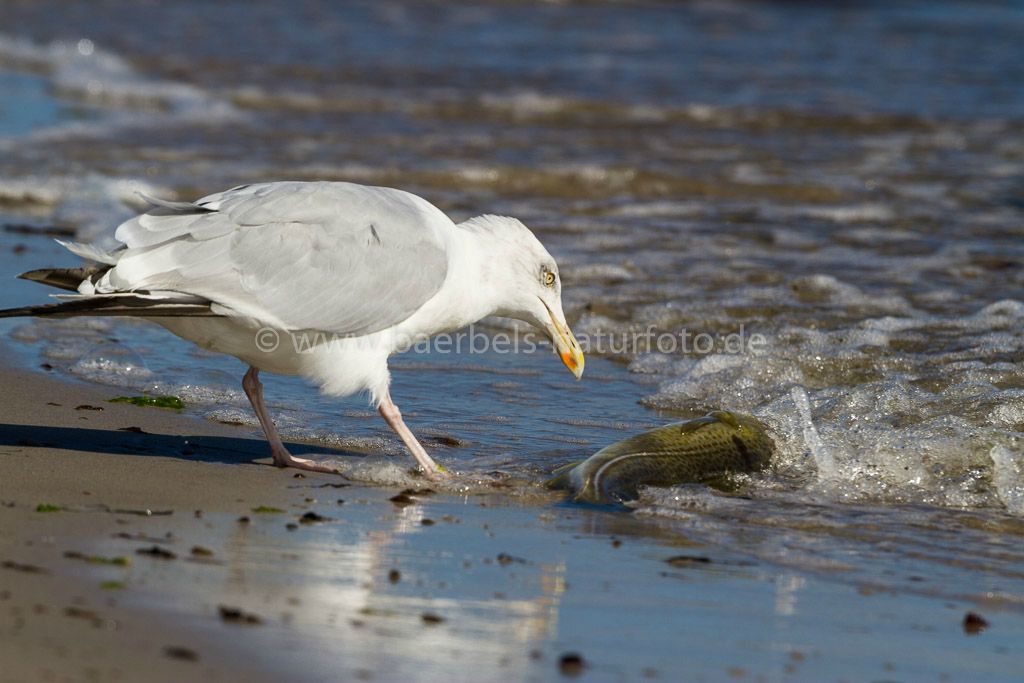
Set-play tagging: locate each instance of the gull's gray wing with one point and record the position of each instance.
(338, 257)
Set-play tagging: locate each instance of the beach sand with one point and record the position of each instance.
(426, 586)
(64, 445)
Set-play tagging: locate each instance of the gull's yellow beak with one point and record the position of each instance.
(566, 346)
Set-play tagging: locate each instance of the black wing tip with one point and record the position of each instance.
(121, 306)
(64, 278)
(28, 311)
(38, 275)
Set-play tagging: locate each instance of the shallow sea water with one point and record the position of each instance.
(845, 182)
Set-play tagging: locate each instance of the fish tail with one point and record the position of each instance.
(561, 477)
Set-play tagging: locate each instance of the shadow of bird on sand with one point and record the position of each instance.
(134, 441)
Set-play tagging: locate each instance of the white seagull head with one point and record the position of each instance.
(525, 283)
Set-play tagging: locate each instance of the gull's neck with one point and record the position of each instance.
(470, 291)
(474, 275)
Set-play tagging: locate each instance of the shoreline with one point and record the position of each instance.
(391, 586)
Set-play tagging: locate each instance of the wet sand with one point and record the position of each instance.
(392, 586)
(63, 444)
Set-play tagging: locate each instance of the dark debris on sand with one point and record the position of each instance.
(119, 561)
(687, 560)
(974, 623)
(408, 496)
(313, 518)
(235, 615)
(571, 664)
(25, 568)
(157, 552)
(85, 614)
(143, 537)
(182, 653)
(402, 500)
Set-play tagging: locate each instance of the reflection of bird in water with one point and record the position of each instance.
(323, 280)
(340, 578)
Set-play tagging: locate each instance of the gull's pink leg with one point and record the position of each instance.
(282, 458)
(389, 411)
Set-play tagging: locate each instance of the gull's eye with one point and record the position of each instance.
(548, 278)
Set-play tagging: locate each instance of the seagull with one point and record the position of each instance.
(325, 280)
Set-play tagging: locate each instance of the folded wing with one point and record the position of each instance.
(337, 257)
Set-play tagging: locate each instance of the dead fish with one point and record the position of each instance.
(695, 451)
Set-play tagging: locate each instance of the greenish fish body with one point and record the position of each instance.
(696, 451)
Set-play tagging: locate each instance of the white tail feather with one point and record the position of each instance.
(90, 252)
(187, 207)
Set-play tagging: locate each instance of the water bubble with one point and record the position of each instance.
(112, 364)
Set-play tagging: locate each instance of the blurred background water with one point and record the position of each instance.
(844, 179)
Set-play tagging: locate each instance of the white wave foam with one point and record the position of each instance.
(112, 364)
(845, 215)
(850, 214)
(377, 470)
(659, 209)
(94, 204)
(233, 416)
(823, 459)
(907, 408)
(527, 103)
(1008, 477)
(84, 72)
(598, 272)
